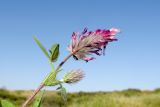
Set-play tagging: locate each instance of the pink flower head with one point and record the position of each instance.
(84, 45)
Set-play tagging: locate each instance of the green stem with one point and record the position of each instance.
(51, 65)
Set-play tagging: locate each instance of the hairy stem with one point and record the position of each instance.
(33, 95)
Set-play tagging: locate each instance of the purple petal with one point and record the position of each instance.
(88, 58)
(84, 31)
(95, 52)
(74, 36)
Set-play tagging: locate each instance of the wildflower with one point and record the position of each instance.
(73, 76)
(84, 45)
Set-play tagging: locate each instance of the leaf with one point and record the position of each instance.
(6, 103)
(37, 102)
(50, 79)
(41, 47)
(54, 52)
(51, 82)
(63, 93)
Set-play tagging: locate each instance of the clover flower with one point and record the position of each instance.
(84, 45)
(73, 76)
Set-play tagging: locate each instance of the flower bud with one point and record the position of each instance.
(73, 76)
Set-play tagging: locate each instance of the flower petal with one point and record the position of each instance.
(114, 31)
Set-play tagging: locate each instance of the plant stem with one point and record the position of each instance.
(33, 95)
(65, 59)
(42, 85)
(51, 65)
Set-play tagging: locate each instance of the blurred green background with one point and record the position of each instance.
(124, 98)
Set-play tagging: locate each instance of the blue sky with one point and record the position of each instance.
(132, 62)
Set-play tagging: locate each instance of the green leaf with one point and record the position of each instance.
(52, 83)
(63, 93)
(54, 52)
(6, 103)
(41, 47)
(50, 79)
(38, 100)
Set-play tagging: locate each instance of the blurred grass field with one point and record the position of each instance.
(124, 98)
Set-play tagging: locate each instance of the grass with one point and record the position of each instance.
(125, 98)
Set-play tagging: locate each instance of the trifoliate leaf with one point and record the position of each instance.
(54, 52)
(41, 47)
(6, 103)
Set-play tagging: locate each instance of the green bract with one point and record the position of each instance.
(54, 52)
